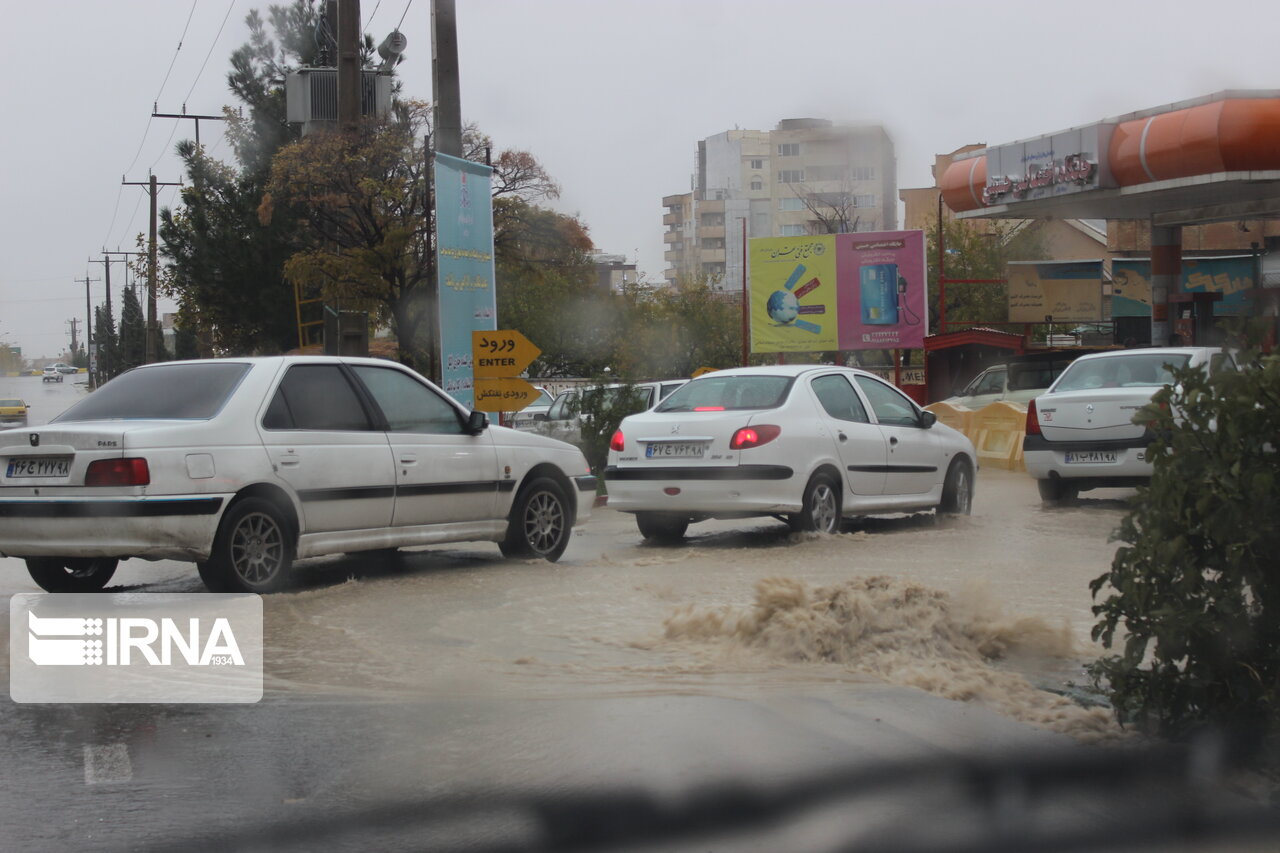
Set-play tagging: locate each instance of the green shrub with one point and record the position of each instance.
(602, 410)
(1194, 593)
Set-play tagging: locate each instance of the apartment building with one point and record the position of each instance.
(806, 176)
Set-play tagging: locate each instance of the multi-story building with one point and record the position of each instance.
(807, 176)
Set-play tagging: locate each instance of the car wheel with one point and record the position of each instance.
(821, 512)
(957, 489)
(252, 552)
(1055, 490)
(71, 574)
(662, 526)
(539, 524)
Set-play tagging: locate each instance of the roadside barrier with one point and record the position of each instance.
(954, 415)
(997, 432)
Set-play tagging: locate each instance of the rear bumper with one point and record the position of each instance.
(1045, 459)
(153, 528)
(742, 489)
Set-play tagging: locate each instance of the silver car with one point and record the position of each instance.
(243, 465)
(1080, 435)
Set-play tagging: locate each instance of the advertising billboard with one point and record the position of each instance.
(1231, 276)
(1069, 291)
(464, 235)
(838, 292)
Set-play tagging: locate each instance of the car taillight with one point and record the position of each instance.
(118, 472)
(618, 442)
(1033, 419)
(748, 437)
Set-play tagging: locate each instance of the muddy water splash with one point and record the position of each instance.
(905, 633)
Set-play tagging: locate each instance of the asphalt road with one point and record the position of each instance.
(397, 689)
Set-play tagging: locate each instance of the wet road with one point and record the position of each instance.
(748, 652)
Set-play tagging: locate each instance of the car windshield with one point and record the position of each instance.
(8, 403)
(728, 392)
(167, 392)
(1128, 371)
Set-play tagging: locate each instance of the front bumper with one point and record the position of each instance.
(151, 528)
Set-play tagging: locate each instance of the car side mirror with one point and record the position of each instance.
(477, 422)
(928, 419)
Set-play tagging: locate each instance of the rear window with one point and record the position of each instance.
(173, 391)
(8, 403)
(728, 392)
(1128, 371)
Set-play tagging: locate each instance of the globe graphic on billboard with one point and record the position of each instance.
(782, 307)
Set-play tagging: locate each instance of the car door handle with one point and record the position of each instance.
(289, 460)
(408, 459)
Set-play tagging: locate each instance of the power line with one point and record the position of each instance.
(176, 51)
(369, 20)
(406, 11)
(225, 17)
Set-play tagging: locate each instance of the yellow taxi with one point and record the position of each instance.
(13, 412)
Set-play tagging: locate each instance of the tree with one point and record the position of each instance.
(1194, 592)
(133, 331)
(833, 212)
(978, 252)
(226, 268)
(104, 326)
(366, 203)
(674, 331)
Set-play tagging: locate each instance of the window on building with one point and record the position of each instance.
(713, 242)
(711, 220)
(757, 184)
(864, 201)
(789, 149)
(791, 176)
(793, 230)
(790, 204)
(862, 173)
(757, 164)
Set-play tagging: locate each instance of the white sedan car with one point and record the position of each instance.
(242, 465)
(1080, 434)
(808, 443)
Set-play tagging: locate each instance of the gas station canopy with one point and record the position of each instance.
(1211, 159)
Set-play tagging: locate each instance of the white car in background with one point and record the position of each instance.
(528, 417)
(242, 465)
(811, 444)
(1080, 434)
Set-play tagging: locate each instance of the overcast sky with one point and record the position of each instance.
(611, 95)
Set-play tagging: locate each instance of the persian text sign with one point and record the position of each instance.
(135, 647)
(1069, 292)
(1232, 276)
(838, 292)
(464, 244)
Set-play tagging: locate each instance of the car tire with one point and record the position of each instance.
(662, 527)
(72, 574)
(957, 489)
(1056, 491)
(540, 522)
(821, 506)
(252, 551)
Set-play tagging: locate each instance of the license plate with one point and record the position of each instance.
(39, 466)
(1072, 457)
(675, 449)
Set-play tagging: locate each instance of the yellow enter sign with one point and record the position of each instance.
(501, 353)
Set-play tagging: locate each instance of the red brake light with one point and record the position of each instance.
(708, 408)
(748, 437)
(1033, 419)
(118, 472)
(618, 442)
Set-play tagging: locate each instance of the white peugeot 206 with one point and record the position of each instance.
(1080, 434)
(810, 444)
(243, 465)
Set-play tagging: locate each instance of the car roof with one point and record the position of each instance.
(783, 370)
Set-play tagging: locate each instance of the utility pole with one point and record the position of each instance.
(88, 329)
(184, 114)
(445, 87)
(153, 189)
(106, 265)
(72, 322)
(349, 65)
